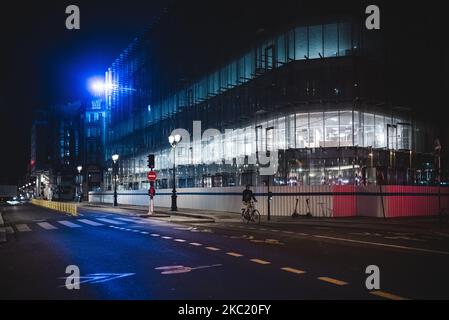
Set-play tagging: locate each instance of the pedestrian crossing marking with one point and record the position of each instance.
(46, 226)
(110, 221)
(22, 227)
(69, 224)
(89, 222)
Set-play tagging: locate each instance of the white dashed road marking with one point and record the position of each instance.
(89, 222)
(110, 221)
(69, 224)
(22, 228)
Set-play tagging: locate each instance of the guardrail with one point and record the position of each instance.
(66, 207)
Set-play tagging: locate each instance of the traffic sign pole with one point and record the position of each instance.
(151, 192)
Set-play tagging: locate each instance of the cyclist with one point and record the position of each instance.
(247, 196)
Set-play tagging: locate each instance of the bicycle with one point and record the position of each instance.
(250, 213)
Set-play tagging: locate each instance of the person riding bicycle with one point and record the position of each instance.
(247, 196)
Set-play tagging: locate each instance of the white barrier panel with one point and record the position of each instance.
(320, 201)
(229, 199)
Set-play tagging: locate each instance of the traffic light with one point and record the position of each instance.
(151, 161)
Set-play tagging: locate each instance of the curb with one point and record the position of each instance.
(192, 215)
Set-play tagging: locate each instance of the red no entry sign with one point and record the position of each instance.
(152, 176)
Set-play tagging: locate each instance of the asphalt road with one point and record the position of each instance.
(126, 257)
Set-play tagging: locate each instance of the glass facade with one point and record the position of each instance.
(294, 94)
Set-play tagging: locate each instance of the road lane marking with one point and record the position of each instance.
(196, 244)
(332, 280)
(180, 240)
(293, 270)
(46, 226)
(234, 254)
(387, 295)
(143, 232)
(288, 232)
(9, 230)
(384, 245)
(155, 235)
(212, 249)
(22, 227)
(69, 224)
(89, 222)
(110, 221)
(168, 238)
(259, 261)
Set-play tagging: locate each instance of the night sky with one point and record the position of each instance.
(43, 63)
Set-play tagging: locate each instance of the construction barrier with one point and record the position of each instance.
(388, 201)
(70, 208)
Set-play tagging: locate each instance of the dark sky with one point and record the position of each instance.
(42, 62)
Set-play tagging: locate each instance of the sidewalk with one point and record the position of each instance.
(405, 224)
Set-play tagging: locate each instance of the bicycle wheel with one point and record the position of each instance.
(255, 216)
(244, 216)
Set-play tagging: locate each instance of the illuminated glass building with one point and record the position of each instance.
(313, 92)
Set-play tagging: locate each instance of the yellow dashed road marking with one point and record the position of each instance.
(234, 254)
(334, 281)
(387, 295)
(260, 261)
(293, 270)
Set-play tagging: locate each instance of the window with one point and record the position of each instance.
(316, 130)
(380, 132)
(330, 40)
(344, 39)
(331, 129)
(301, 43)
(345, 128)
(302, 130)
(315, 41)
(368, 129)
(281, 54)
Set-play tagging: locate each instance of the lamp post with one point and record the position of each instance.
(80, 184)
(115, 158)
(174, 140)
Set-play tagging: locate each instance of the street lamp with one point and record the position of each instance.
(174, 140)
(115, 158)
(80, 186)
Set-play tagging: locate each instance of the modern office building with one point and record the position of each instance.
(313, 94)
(93, 127)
